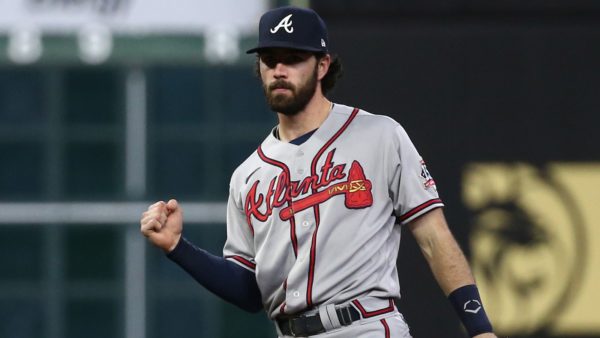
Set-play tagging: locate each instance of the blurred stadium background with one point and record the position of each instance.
(106, 105)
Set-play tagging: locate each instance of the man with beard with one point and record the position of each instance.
(314, 214)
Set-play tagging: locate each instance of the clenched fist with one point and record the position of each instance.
(162, 223)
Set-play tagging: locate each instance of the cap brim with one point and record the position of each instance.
(285, 44)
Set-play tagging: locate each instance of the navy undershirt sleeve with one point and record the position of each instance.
(224, 278)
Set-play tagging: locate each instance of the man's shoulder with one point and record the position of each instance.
(246, 166)
(368, 119)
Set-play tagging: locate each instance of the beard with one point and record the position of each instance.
(296, 102)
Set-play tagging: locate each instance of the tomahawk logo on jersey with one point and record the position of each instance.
(329, 181)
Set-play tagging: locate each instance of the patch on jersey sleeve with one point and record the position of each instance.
(428, 181)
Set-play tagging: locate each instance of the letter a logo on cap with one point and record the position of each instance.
(285, 23)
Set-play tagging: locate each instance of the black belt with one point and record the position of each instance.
(309, 325)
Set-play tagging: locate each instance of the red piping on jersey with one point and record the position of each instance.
(282, 308)
(418, 208)
(285, 168)
(369, 314)
(243, 261)
(386, 328)
(313, 245)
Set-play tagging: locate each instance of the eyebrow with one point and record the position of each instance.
(284, 53)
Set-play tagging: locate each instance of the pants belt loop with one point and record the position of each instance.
(329, 317)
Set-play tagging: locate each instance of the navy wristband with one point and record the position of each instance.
(467, 304)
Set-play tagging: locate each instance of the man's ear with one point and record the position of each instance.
(323, 66)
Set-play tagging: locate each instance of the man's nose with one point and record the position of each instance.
(280, 70)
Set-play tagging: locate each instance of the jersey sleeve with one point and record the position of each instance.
(412, 188)
(239, 246)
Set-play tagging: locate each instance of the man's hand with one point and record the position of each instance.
(162, 223)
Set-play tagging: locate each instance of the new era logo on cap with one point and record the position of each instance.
(292, 27)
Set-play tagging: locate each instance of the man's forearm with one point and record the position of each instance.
(451, 270)
(220, 276)
(448, 263)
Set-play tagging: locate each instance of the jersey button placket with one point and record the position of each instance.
(302, 257)
(300, 170)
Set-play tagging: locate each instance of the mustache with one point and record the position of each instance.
(281, 84)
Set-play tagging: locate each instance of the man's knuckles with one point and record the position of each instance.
(159, 204)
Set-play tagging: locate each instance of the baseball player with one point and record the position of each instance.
(314, 214)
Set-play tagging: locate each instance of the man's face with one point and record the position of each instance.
(289, 79)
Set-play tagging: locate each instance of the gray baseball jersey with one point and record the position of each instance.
(317, 222)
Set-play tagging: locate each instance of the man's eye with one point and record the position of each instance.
(292, 60)
(269, 61)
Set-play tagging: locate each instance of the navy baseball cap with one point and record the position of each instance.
(292, 27)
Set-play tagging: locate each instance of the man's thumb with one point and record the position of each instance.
(172, 206)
